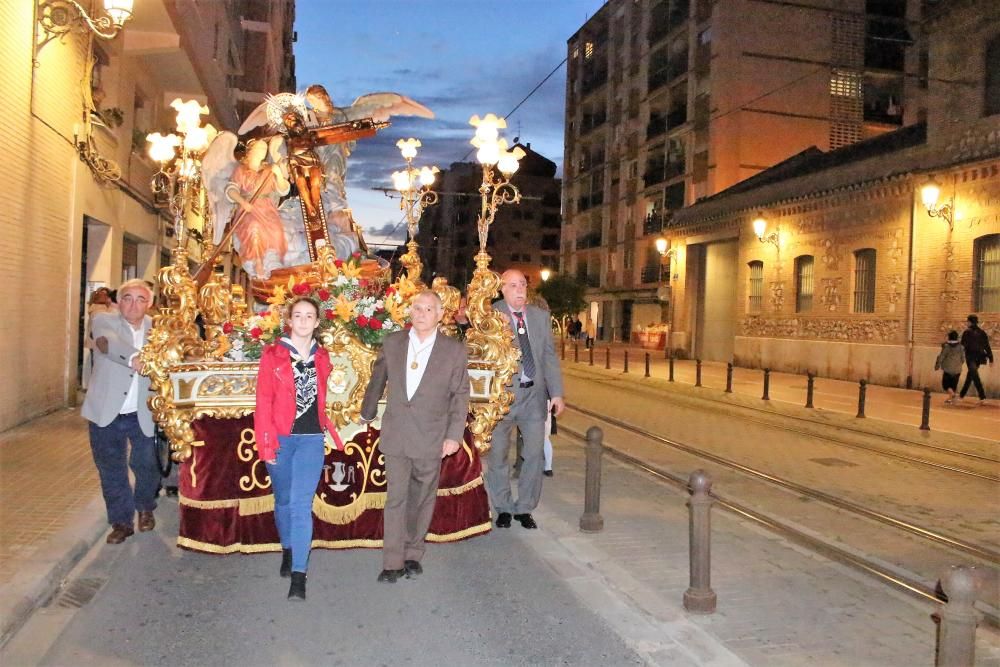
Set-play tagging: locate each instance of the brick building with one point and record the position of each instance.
(859, 279)
(78, 211)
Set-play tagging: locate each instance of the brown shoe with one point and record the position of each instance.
(146, 522)
(119, 533)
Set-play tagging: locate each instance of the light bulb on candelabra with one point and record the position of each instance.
(188, 114)
(427, 176)
(487, 127)
(408, 147)
(401, 180)
(162, 148)
(196, 139)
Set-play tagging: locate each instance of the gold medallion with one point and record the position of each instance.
(414, 365)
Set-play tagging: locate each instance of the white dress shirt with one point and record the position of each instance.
(421, 353)
(132, 398)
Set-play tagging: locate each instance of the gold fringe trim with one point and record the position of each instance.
(208, 504)
(459, 490)
(257, 505)
(239, 547)
(460, 535)
(347, 544)
(339, 516)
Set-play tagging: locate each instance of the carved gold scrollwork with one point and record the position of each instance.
(246, 451)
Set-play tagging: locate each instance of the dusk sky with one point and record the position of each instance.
(457, 57)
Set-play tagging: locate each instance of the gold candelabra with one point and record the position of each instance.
(57, 18)
(414, 187)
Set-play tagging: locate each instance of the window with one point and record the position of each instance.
(803, 283)
(992, 78)
(864, 281)
(986, 254)
(756, 286)
(130, 260)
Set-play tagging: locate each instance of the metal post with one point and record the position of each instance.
(607, 358)
(647, 364)
(671, 365)
(591, 521)
(862, 390)
(956, 635)
(767, 385)
(576, 353)
(625, 369)
(925, 414)
(590, 353)
(699, 598)
(729, 378)
(697, 372)
(810, 380)
(564, 349)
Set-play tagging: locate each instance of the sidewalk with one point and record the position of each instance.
(900, 406)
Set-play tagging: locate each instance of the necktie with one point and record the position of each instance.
(527, 360)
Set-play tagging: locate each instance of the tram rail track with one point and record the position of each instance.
(910, 585)
(993, 477)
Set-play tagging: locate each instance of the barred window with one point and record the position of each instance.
(864, 281)
(756, 286)
(803, 283)
(986, 254)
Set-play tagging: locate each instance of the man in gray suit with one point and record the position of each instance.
(117, 409)
(424, 421)
(537, 380)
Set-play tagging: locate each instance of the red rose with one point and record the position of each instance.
(301, 289)
(362, 283)
(329, 314)
(338, 263)
(375, 323)
(362, 321)
(356, 254)
(227, 328)
(323, 294)
(407, 325)
(256, 332)
(390, 290)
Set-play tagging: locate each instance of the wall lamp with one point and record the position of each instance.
(546, 274)
(760, 229)
(661, 247)
(59, 17)
(929, 194)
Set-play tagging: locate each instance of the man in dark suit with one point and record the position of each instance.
(424, 421)
(536, 381)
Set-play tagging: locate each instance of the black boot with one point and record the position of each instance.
(297, 591)
(286, 562)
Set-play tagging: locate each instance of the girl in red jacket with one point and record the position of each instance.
(289, 425)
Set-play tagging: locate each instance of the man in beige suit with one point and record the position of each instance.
(424, 421)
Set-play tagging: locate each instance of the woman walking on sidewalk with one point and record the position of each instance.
(289, 425)
(949, 362)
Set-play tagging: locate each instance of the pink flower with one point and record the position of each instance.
(356, 254)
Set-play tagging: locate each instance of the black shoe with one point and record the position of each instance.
(503, 520)
(286, 562)
(297, 591)
(548, 473)
(413, 567)
(171, 491)
(526, 520)
(390, 576)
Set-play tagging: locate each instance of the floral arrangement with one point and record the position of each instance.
(361, 306)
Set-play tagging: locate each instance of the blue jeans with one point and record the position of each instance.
(294, 477)
(109, 445)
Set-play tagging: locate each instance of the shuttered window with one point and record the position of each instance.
(864, 281)
(756, 286)
(803, 283)
(986, 253)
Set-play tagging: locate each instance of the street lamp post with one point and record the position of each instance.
(663, 292)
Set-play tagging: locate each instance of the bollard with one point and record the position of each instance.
(810, 379)
(957, 619)
(671, 366)
(607, 358)
(697, 372)
(591, 521)
(647, 364)
(767, 385)
(925, 414)
(699, 598)
(862, 390)
(590, 353)
(576, 353)
(625, 369)
(729, 378)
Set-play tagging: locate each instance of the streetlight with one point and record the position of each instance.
(414, 187)
(546, 274)
(58, 17)
(760, 229)
(929, 194)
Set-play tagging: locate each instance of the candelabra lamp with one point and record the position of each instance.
(414, 187)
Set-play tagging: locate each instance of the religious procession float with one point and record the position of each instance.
(273, 195)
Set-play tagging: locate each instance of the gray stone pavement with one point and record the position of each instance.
(885, 404)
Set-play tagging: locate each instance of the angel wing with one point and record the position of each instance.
(217, 168)
(257, 118)
(379, 106)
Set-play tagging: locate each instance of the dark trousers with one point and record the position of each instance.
(972, 377)
(411, 491)
(109, 445)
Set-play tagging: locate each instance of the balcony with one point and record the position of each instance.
(650, 274)
(654, 174)
(593, 82)
(591, 122)
(677, 117)
(652, 224)
(591, 240)
(657, 126)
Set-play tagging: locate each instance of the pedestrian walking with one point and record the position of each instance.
(949, 362)
(291, 426)
(116, 407)
(977, 352)
(424, 421)
(537, 380)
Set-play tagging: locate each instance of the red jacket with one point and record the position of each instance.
(275, 412)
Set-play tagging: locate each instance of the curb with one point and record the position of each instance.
(42, 573)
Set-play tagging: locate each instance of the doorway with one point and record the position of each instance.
(716, 313)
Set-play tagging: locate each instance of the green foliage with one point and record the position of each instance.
(564, 295)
